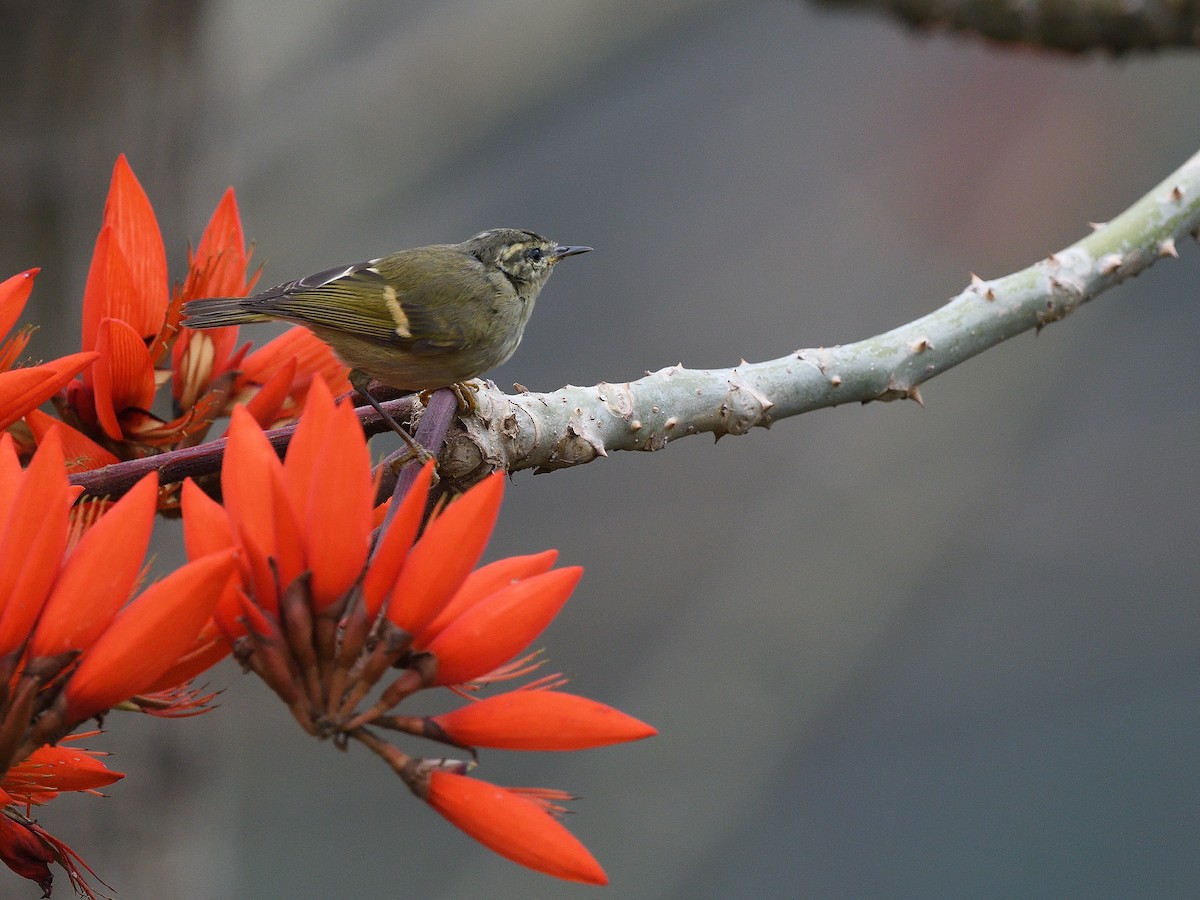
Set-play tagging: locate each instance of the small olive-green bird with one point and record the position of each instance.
(418, 319)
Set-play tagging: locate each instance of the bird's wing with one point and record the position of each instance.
(363, 299)
(346, 298)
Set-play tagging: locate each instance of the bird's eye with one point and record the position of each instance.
(533, 254)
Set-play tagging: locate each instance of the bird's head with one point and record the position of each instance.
(525, 258)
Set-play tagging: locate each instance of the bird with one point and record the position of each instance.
(415, 320)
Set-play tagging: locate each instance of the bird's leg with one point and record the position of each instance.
(359, 381)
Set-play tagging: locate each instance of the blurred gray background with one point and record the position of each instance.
(892, 651)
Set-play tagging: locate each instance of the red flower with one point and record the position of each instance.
(539, 720)
(81, 452)
(512, 825)
(216, 269)
(146, 637)
(66, 626)
(14, 292)
(275, 378)
(323, 620)
(22, 390)
(131, 331)
(49, 771)
(499, 626)
(23, 850)
(28, 849)
(71, 643)
(128, 276)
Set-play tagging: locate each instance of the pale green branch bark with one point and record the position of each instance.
(576, 425)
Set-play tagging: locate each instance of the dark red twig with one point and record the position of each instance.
(193, 462)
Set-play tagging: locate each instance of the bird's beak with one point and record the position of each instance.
(561, 252)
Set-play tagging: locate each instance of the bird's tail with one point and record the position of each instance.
(217, 312)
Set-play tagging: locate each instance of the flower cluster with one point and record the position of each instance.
(73, 645)
(133, 344)
(25, 389)
(329, 620)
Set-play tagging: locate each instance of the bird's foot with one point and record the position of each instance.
(464, 393)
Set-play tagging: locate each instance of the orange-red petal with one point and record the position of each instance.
(10, 476)
(206, 529)
(484, 582)
(32, 543)
(395, 543)
(81, 453)
(99, 575)
(541, 720)
(203, 655)
(445, 554)
(338, 515)
(249, 489)
(496, 629)
(216, 269)
(205, 524)
(107, 275)
(290, 556)
(265, 406)
(147, 637)
(24, 389)
(218, 266)
(14, 292)
(123, 376)
(136, 234)
(313, 359)
(304, 449)
(59, 768)
(514, 827)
